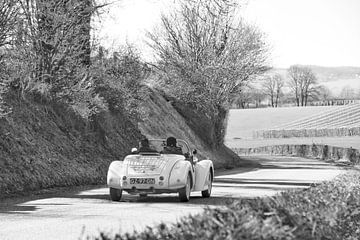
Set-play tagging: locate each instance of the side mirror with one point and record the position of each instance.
(194, 151)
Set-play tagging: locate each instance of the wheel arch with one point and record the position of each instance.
(191, 179)
(212, 173)
(114, 174)
(202, 170)
(181, 173)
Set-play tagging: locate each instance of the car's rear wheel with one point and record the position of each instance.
(184, 193)
(206, 193)
(115, 194)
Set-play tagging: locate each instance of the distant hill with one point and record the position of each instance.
(328, 74)
(335, 78)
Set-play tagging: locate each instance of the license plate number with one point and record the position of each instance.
(142, 180)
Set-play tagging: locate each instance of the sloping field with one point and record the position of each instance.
(243, 123)
(339, 121)
(344, 116)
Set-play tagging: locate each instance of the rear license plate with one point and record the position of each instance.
(142, 180)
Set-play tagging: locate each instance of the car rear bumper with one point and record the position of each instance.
(151, 190)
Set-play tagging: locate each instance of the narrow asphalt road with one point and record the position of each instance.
(78, 214)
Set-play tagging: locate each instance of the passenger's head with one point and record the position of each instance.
(144, 142)
(171, 142)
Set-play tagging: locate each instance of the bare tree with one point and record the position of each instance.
(302, 83)
(206, 54)
(57, 32)
(244, 99)
(249, 96)
(348, 92)
(272, 87)
(8, 14)
(8, 17)
(324, 93)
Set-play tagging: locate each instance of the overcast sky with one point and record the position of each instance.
(317, 32)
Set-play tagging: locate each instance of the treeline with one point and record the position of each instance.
(298, 87)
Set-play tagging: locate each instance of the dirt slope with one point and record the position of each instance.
(45, 144)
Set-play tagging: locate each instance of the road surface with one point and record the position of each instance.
(78, 214)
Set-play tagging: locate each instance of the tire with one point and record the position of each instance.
(184, 193)
(115, 194)
(206, 193)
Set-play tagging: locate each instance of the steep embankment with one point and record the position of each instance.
(163, 120)
(46, 144)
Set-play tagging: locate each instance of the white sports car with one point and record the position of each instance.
(158, 171)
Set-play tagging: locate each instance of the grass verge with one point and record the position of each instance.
(330, 210)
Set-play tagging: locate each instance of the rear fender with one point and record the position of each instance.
(202, 171)
(179, 173)
(115, 173)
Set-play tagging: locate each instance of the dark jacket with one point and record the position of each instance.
(172, 150)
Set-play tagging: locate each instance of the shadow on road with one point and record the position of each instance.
(245, 181)
(226, 188)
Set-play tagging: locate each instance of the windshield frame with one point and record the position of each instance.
(161, 143)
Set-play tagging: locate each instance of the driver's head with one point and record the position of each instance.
(171, 142)
(144, 143)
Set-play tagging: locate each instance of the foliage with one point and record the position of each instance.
(302, 83)
(206, 54)
(54, 36)
(120, 80)
(327, 211)
(324, 93)
(348, 92)
(8, 14)
(47, 49)
(250, 96)
(50, 56)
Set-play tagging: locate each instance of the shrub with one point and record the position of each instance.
(120, 80)
(327, 211)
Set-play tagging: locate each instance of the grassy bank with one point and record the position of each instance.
(46, 144)
(326, 211)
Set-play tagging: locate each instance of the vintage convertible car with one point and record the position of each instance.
(157, 171)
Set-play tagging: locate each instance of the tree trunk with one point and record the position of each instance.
(220, 126)
(84, 31)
